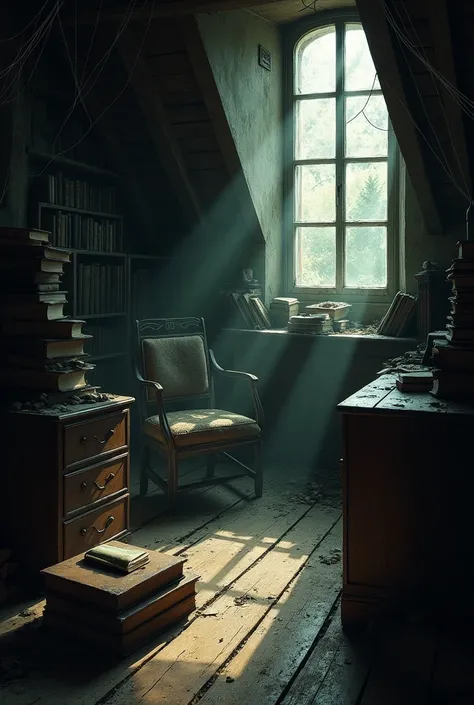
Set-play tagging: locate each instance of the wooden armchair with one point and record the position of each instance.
(175, 368)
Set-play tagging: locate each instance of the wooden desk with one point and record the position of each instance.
(66, 482)
(408, 484)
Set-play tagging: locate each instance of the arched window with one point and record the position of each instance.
(342, 180)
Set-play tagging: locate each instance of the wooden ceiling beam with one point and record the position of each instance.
(169, 8)
(441, 35)
(143, 84)
(383, 53)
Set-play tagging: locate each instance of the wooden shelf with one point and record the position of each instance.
(88, 316)
(106, 356)
(96, 253)
(71, 163)
(81, 211)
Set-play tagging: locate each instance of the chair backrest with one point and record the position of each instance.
(174, 352)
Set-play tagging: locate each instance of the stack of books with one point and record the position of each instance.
(282, 309)
(453, 360)
(114, 609)
(310, 323)
(42, 349)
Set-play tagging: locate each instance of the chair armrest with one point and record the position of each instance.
(231, 373)
(158, 389)
(251, 379)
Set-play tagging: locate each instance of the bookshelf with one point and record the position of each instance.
(78, 204)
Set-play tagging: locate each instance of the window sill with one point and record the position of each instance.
(371, 338)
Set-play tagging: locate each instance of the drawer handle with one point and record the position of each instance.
(108, 479)
(109, 521)
(107, 436)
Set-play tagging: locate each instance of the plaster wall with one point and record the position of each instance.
(252, 100)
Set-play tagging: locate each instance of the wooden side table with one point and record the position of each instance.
(408, 483)
(66, 481)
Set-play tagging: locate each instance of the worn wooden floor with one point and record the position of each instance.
(267, 627)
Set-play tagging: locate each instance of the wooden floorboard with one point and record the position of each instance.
(248, 553)
(182, 668)
(265, 664)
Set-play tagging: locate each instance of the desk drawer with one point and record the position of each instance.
(92, 438)
(92, 528)
(85, 487)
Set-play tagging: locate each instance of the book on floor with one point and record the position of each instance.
(125, 643)
(127, 620)
(123, 558)
(107, 590)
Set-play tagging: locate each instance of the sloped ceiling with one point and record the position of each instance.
(414, 44)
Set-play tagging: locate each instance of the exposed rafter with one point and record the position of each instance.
(441, 33)
(167, 8)
(142, 83)
(383, 54)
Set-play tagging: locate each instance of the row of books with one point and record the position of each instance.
(105, 339)
(249, 311)
(397, 320)
(83, 232)
(58, 189)
(101, 288)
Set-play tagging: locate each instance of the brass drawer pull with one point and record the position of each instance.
(108, 479)
(107, 436)
(109, 521)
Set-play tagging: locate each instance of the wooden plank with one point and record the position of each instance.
(369, 396)
(159, 130)
(180, 670)
(166, 8)
(403, 666)
(441, 32)
(383, 54)
(278, 510)
(192, 113)
(262, 669)
(169, 64)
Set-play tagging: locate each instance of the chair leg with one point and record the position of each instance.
(258, 467)
(172, 479)
(144, 461)
(211, 466)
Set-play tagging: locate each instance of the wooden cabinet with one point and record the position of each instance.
(67, 481)
(408, 484)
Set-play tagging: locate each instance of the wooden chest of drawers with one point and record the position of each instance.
(66, 481)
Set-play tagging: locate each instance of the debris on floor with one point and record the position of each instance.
(332, 557)
(317, 493)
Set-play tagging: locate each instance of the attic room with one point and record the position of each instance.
(237, 272)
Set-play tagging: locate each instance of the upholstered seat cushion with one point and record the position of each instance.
(199, 426)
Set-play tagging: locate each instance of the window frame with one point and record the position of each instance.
(292, 36)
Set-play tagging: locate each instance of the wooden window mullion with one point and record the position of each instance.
(340, 185)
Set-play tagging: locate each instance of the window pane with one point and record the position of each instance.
(364, 139)
(315, 129)
(315, 193)
(315, 62)
(366, 257)
(316, 257)
(366, 191)
(359, 69)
